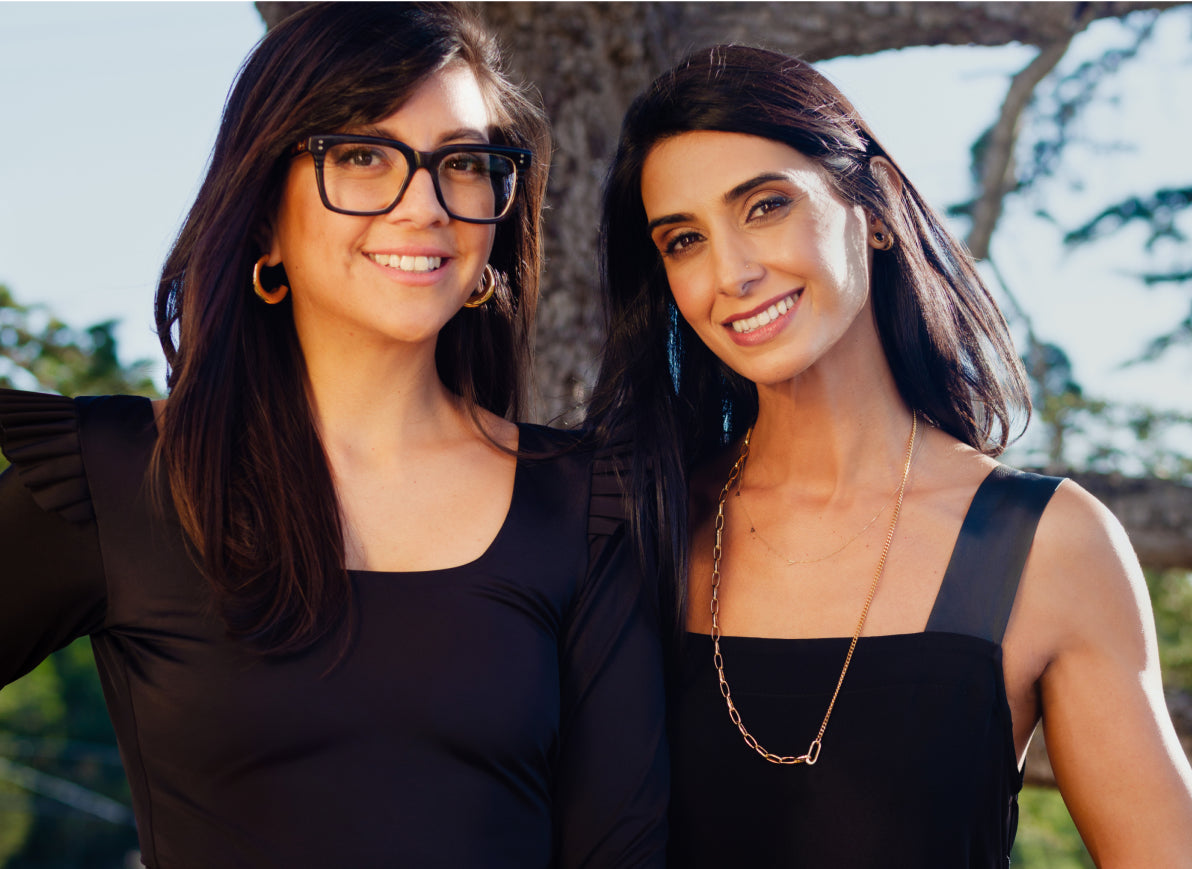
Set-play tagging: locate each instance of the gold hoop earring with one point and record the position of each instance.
(881, 240)
(484, 292)
(269, 297)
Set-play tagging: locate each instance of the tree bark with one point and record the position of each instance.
(1157, 514)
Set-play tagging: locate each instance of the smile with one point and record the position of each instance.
(769, 315)
(407, 263)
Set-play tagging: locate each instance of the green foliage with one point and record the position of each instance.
(1171, 596)
(40, 351)
(1156, 211)
(1159, 212)
(53, 721)
(1097, 435)
(16, 820)
(1047, 838)
(33, 704)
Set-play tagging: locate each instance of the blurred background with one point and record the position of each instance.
(1053, 136)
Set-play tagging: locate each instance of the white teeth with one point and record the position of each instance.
(769, 315)
(407, 263)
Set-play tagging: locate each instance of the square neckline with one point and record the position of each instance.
(516, 496)
(926, 629)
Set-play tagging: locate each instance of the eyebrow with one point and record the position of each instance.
(742, 189)
(745, 187)
(467, 134)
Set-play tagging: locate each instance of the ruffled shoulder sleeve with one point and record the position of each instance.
(39, 434)
(52, 580)
(608, 509)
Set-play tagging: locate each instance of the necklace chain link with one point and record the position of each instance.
(734, 476)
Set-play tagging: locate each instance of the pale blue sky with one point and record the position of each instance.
(110, 110)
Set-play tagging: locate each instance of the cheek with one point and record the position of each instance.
(298, 226)
(687, 297)
(476, 239)
(845, 258)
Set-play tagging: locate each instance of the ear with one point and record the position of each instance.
(887, 176)
(265, 240)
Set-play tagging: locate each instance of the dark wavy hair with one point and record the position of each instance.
(662, 390)
(239, 447)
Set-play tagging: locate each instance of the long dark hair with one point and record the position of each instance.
(239, 447)
(662, 390)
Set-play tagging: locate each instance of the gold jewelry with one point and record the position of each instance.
(484, 292)
(270, 297)
(882, 239)
(791, 562)
(813, 750)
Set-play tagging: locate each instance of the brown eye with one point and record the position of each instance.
(768, 206)
(677, 244)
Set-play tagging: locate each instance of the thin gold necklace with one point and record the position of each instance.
(790, 562)
(813, 750)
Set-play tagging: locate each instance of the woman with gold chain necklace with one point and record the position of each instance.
(877, 613)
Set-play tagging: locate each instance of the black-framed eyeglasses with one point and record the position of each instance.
(366, 175)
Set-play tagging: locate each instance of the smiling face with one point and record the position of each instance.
(396, 277)
(764, 260)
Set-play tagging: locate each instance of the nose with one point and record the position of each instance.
(734, 270)
(419, 205)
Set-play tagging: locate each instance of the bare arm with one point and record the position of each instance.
(1117, 760)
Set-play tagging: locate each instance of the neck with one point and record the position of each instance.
(827, 436)
(379, 398)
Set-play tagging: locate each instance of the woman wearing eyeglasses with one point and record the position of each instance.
(877, 612)
(345, 612)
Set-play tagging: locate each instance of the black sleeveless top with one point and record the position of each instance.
(918, 767)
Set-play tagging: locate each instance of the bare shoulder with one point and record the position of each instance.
(1084, 568)
(1082, 546)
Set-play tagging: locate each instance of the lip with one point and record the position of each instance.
(763, 333)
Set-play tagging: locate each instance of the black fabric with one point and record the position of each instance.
(978, 589)
(918, 767)
(506, 713)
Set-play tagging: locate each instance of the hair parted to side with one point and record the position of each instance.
(238, 443)
(659, 387)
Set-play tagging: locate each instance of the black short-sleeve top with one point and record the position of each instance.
(505, 713)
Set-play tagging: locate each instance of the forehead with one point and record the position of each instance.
(702, 166)
(446, 102)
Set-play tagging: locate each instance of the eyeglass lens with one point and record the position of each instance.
(368, 177)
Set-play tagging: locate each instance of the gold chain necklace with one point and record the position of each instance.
(813, 750)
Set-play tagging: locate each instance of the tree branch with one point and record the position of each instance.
(997, 165)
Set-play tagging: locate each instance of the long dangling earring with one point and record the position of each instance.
(270, 297)
(484, 292)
